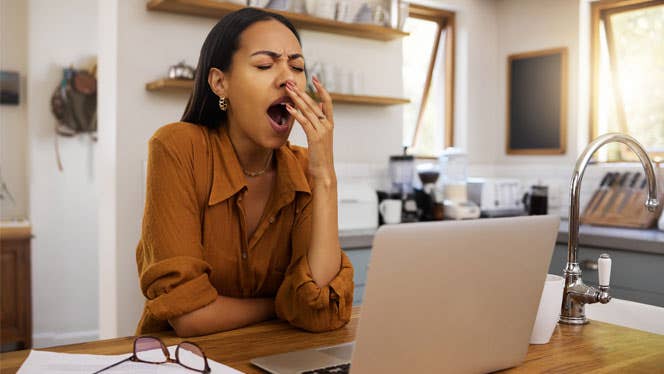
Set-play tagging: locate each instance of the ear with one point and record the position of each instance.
(218, 82)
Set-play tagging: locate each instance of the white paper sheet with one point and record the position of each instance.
(68, 363)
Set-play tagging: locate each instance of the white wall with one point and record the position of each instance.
(530, 25)
(63, 205)
(475, 85)
(13, 119)
(527, 25)
(147, 43)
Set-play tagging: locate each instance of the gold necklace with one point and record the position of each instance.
(260, 172)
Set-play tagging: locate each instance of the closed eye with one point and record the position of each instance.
(266, 67)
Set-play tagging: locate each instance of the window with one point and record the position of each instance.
(428, 76)
(627, 84)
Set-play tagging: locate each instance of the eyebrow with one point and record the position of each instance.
(276, 55)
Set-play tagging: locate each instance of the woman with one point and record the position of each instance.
(239, 225)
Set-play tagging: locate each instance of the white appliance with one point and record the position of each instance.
(456, 204)
(358, 206)
(460, 210)
(497, 197)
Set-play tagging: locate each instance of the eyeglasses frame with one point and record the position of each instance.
(135, 358)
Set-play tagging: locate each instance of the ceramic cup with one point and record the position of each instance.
(279, 4)
(549, 309)
(347, 10)
(329, 77)
(403, 14)
(373, 14)
(298, 6)
(321, 8)
(357, 83)
(390, 209)
(258, 3)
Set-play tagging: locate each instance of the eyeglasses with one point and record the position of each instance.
(152, 350)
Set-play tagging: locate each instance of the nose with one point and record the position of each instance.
(285, 74)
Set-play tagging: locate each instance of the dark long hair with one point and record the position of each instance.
(217, 51)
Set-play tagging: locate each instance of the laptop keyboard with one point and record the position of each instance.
(339, 369)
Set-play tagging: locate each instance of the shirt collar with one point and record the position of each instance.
(228, 178)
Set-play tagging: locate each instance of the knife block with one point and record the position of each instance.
(606, 208)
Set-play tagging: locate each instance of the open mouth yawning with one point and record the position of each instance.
(277, 111)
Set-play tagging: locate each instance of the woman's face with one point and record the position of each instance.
(268, 56)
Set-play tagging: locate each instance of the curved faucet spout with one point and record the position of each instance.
(651, 203)
(576, 294)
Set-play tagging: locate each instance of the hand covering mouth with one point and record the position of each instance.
(277, 110)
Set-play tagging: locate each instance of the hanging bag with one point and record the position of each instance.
(74, 105)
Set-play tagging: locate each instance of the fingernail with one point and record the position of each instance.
(315, 79)
(289, 108)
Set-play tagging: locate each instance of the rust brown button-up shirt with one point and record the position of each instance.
(194, 245)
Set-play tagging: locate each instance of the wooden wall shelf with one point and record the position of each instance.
(186, 85)
(217, 9)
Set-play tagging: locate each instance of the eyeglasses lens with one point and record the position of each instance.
(190, 356)
(149, 350)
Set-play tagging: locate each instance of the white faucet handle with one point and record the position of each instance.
(604, 269)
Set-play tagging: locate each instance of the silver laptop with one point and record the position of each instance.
(442, 297)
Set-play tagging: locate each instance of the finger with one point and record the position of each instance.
(325, 98)
(304, 108)
(311, 103)
(309, 130)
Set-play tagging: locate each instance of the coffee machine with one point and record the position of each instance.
(428, 207)
(402, 169)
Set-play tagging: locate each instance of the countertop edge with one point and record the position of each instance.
(635, 240)
(15, 232)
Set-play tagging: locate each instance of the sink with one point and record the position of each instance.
(629, 314)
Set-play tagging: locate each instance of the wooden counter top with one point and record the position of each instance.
(11, 230)
(597, 346)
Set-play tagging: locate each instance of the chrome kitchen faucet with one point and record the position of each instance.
(576, 294)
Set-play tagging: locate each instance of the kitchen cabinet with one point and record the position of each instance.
(360, 258)
(16, 319)
(635, 276)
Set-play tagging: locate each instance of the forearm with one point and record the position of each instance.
(225, 313)
(324, 254)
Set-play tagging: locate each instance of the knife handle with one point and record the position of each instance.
(594, 200)
(623, 179)
(612, 179)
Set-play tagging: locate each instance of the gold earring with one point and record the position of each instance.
(223, 104)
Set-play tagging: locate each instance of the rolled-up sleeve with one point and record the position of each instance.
(299, 300)
(172, 272)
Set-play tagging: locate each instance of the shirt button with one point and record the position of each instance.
(244, 255)
(271, 220)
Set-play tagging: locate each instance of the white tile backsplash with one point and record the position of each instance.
(558, 178)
